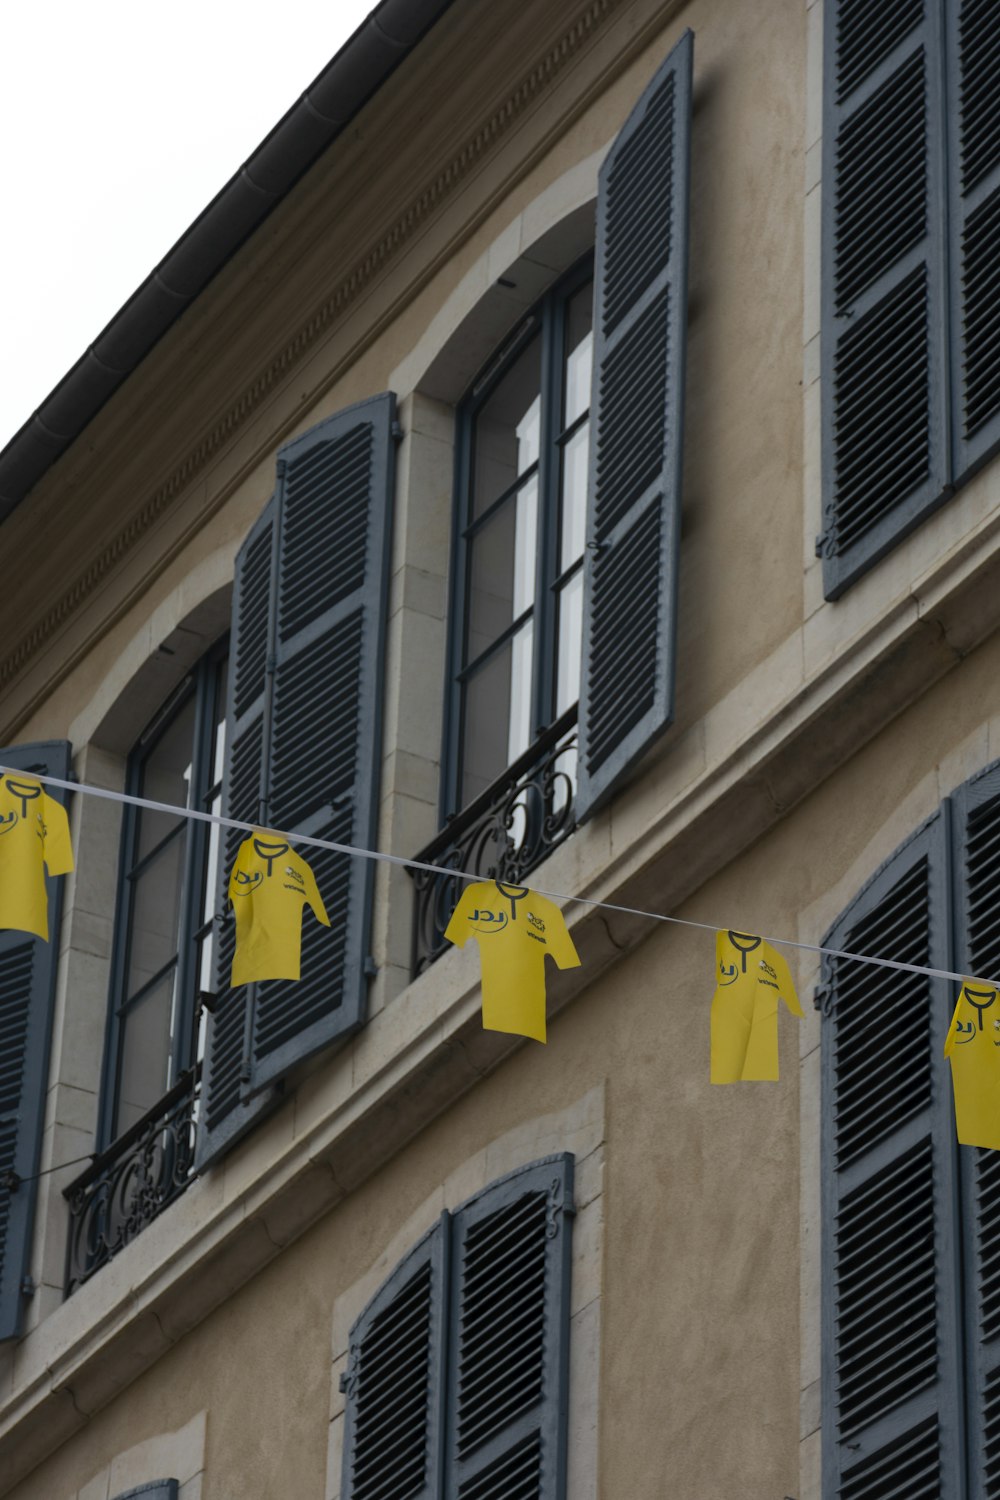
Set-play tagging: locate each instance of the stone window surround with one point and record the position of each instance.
(140, 681)
(176, 1455)
(580, 1128)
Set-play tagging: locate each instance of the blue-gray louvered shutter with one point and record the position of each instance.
(509, 1338)
(157, 1489)
(393, 1418)
(884, 359)
(634, 485)
(976, 823)
(974, 166)
(27, 997)
(226, 1109)
(891, 1356)
(335, 487)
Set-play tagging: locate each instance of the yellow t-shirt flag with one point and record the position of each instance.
(749, 978)
(34, 837)
(973, 1044)
(515, 929)
(269, 884)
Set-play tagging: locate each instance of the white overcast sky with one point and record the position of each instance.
(119, 121)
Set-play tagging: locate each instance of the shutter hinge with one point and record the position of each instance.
(370, 967)
(271, 665)
(821, 543)
(281, 467)
(11, 1180)
(397, 432)
(28, 1287)
(822, 999)
(342, 1382)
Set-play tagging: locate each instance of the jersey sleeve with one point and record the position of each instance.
(58, 846)
(312, 895)
(457, 930)
(560, 943)
(786, 987)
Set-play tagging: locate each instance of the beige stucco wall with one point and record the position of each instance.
(700, 1282)
(810, 739)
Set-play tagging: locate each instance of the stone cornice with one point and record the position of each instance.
(485, 139)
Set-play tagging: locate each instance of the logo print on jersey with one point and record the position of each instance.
(488, 921)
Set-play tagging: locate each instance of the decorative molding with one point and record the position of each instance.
(443, 185)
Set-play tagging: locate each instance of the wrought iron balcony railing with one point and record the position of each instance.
(503, 835)
(127, 1186)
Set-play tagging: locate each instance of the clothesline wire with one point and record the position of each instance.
(10, 1180)
(417, 864)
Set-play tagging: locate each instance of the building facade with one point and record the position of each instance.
(565, 453)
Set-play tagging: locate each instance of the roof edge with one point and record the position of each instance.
(355, 73)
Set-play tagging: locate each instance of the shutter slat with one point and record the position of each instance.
(867, 33)
(335, 496)
(976, 821)
(226, 1112)
(973, 45)
(891, 1344)
(393, 1423)
(509, 1338)
(885, 433)
(633, 502)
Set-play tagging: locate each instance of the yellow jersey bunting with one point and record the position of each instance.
(268, 887)
(514, 929)
(973, 1044)
(34, 837)
(749, 977)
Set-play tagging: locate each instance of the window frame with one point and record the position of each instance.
(202, 683)
(546, 318)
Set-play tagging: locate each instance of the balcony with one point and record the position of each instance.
(503, 835)
(130, 1184)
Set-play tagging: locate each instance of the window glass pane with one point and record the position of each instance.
(519, 734)
(570, 643)
(145, 1064)
(497, 715)
(502, 574)
(155, 915)
(166, 777)
(579, 353)
(574, 497)
(219, 743)
(506, 433)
